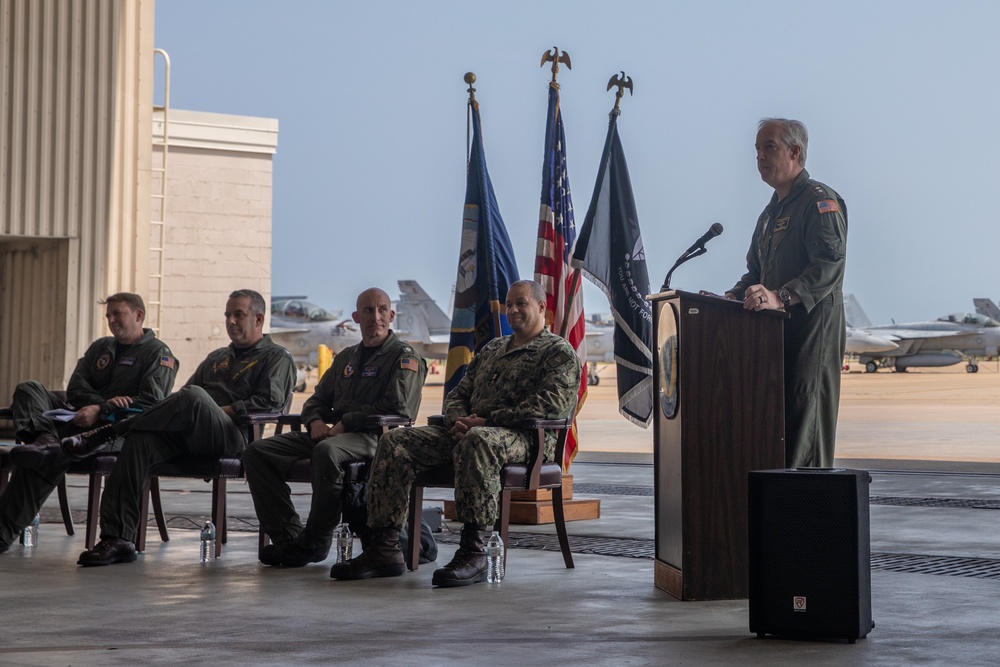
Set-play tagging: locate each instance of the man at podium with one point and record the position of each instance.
(796, 263)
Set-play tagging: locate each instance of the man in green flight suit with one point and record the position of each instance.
(796, 263)
(380, 375)
(530, 373)
(252, 374)
(128, 371)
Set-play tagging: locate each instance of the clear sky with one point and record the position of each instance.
(900, 98)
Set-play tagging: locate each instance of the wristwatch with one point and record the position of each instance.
(786, 298)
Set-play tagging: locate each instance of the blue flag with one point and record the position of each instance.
(609, 252)
(486, 267)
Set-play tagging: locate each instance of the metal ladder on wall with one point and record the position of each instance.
(158, 211)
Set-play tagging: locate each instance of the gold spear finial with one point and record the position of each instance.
(555, 57)
(470, 78)
(622, 82)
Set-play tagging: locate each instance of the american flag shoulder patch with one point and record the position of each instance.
(167, 361)
(409, 364)
(828, 206)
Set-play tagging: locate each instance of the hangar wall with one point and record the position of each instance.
(75, 126)
(217, 223)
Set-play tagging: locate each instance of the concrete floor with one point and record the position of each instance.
(168, 609)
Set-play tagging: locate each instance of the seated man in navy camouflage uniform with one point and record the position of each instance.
(129, 370)
(252, 374)
(379, 375)
(531, 373)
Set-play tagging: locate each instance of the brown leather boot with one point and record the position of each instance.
(382, 558)
(469, 564)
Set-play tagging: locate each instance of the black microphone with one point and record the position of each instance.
(697, 249)
(712, 232)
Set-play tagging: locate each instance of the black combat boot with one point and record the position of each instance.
(83, 445)
(469, 564)
(43, 453)
(382, 558)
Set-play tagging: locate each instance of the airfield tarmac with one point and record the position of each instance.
(926, 418)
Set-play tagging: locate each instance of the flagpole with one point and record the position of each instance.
(622, 82)
(470, 78)
(555, 57)
(609, 246)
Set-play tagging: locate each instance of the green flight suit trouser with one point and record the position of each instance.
(27, 490)
(814, 351)
(186, 423)
(267, 463)
(30, 400)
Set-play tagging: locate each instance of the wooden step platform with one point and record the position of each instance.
(535, 507)
(544, 494)
(540, 512)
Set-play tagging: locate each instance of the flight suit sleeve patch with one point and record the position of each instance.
(409, 364)
(167, 360)
(828, 206)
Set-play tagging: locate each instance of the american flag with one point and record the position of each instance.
(556, 236)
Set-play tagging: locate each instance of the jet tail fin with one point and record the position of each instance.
(987, 307)
(854, 314)
(419, 312)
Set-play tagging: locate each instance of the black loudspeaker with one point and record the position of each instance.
(810, 553)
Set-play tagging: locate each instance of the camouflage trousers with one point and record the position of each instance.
(478, 457)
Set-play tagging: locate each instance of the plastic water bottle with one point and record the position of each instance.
(207, 542)
(494, 559)
(30, 534)
(345, 543)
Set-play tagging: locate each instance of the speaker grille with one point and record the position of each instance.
(809, 553)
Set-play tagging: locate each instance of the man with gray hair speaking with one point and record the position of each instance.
(796, 263)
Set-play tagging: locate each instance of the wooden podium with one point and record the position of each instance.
(718, 414)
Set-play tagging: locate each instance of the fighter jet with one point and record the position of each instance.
(861, 342)
(301, 326)
(947, 340)
(600, 348)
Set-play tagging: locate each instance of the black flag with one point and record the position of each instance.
(609, 252)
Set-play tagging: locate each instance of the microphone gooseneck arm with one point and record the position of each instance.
(697, 249)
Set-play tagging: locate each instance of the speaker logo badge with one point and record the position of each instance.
(798, 603)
